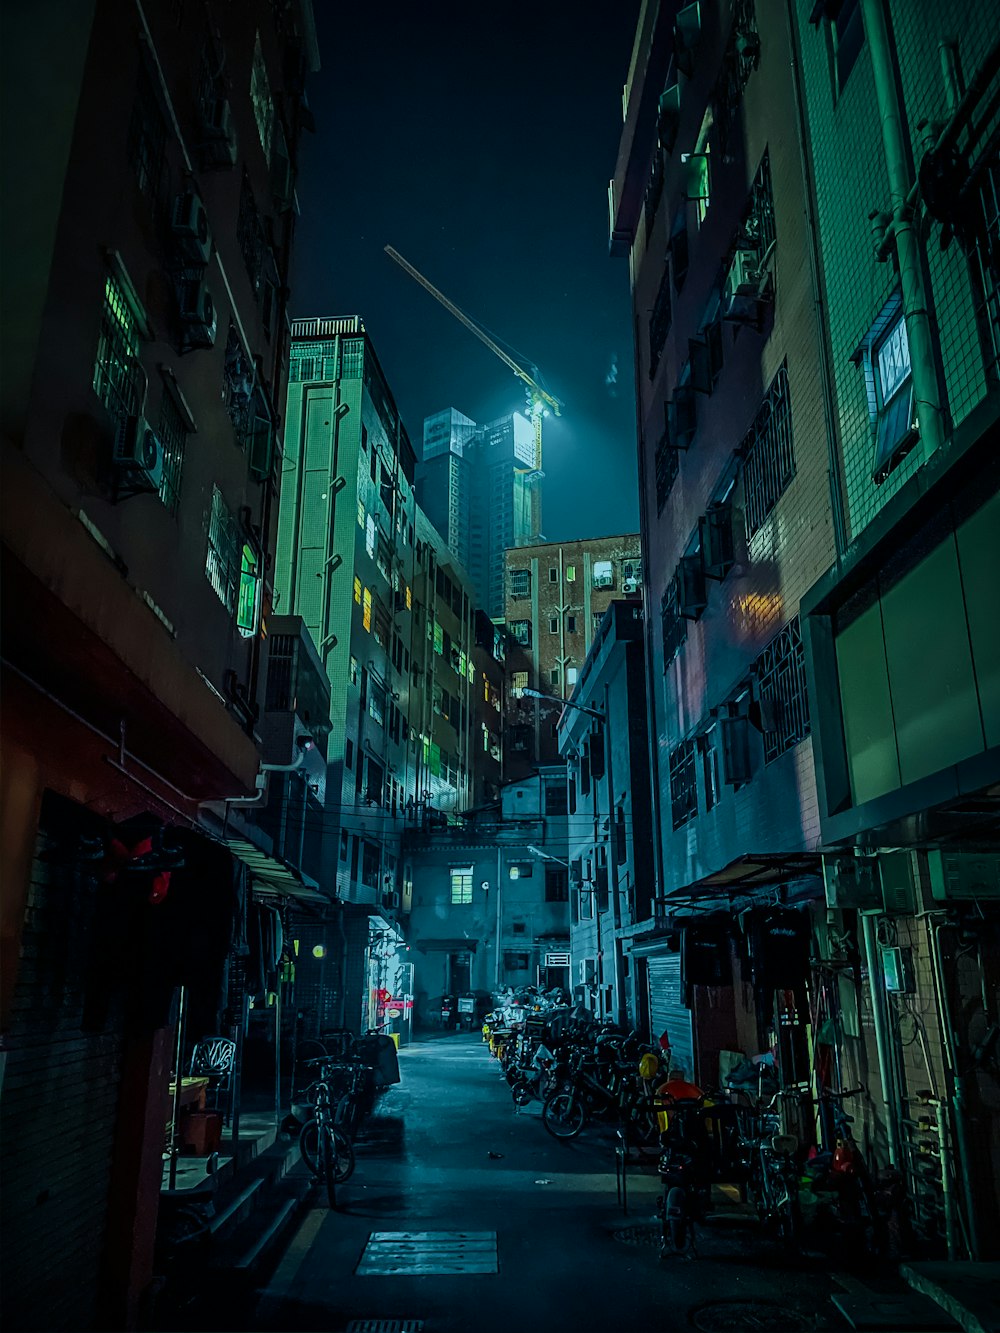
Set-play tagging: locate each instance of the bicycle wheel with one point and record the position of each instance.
(563, 1115)
(677, 1220)
(327, 1160)
(522, 1092)
(345, 1151)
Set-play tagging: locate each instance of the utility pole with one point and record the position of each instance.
(620, 1014)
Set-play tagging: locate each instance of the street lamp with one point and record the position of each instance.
(563, 703)
(547, 856)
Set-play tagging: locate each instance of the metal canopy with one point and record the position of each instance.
(752, 872)
(272, 874)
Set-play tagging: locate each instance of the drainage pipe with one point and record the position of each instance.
(917, 307)
(876, 981)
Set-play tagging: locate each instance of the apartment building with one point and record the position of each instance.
(901, 119)
(556, 597)
(602, 739)
(145, 357)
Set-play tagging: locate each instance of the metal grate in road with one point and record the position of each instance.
(385, 1326)
(416, 1253)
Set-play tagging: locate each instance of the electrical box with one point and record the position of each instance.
(897, 968)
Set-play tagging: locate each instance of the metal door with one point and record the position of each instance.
(667, 1012)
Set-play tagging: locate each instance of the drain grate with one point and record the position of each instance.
(738, 1316)
(385, 1326)
(650, 1234)
(413, 1253)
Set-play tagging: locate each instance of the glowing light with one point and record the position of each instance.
(319, 951)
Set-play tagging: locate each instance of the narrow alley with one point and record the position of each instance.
(565, 1256)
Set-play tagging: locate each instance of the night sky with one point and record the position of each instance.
(478, 139)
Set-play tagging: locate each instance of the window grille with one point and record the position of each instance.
(249, 234)
(147, 139)
(239, 381)
(667, 461)
(281, 655)
(672, 624)
(520, 583)
(759, 222)
(659, 322)
(683, 784)
(985, 257)
(173, 432)
(352, 358)
(654, 191)
(117, 372)
(461, 885)
(766, 449)
(521, 632)
(222, 564)
(781, 692)
(556, 884)
(740, 59)
(261, 100)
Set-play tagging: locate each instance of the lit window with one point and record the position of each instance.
(520, 583)
(409, 598)
(117, 372)
(222, 561)
(438, 638)
(884, 356)
(354, 671)
(357, 591)
(571, 675)
(518, 683)
(248, 604)
(604, 574)
(521, 632)
(571, 573)
(366, 616)
(361, 513)
(461, 885)
(260, 97)
(370, 535)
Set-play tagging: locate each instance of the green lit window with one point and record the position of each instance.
(173, 431)
(361, 513)
(222, 563)
(263, 103)
(117, 373)
(461, 885)
(438, 638)
(248, 603)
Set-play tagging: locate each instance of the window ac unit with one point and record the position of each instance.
(198, 312)
(604, 581)
(631, 585)
(218, 129)
(191, 229)
(138, 452)
(742, 301)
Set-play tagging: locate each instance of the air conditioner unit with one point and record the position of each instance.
(191, 229)
(138, 453)
(218, 129)
(604, 581)
(630, 585)
(198, 312)
(742, 301)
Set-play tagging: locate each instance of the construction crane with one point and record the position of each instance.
(539, 401)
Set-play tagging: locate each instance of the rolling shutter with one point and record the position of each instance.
(58, 1108)
(667, 1012)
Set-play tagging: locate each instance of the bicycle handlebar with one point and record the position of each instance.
(840, 1094)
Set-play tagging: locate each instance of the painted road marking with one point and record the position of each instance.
(416, 1253)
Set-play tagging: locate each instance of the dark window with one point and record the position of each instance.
(659, 322)
(370, 865)
(766, 449)
(848, 32)
(781, 692)
(571, 624)
(673, 625)
(519, 927)
(173, 433)
(515, 961)
(520, 583)
(679, 249)
(555, 798)
(683, 784)
(553, 574)
(667, 462)
(654, 191)
(556, 884)
(349, 754)
(147, 138)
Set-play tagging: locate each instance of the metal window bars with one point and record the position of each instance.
(222, 562)
(683, 784)
(781, 692)
(673, 625)
(766, 450)
(173, 433)
(118, 376)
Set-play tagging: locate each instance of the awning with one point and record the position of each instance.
(803, 870)
(270, 874)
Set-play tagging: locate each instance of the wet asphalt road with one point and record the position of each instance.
(562, 1261)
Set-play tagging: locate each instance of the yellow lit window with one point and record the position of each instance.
(367, 613)
(409, 598)
(357, 591)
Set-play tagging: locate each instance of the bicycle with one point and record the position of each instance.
(325, 1149)
(773, 1184)
(845, 1173)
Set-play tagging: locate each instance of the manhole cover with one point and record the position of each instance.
(750, 1317)
(650, 1234)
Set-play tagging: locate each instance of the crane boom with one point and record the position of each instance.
(538, 398)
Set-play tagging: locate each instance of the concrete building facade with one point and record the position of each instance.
(556, 594)
(147, 243)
